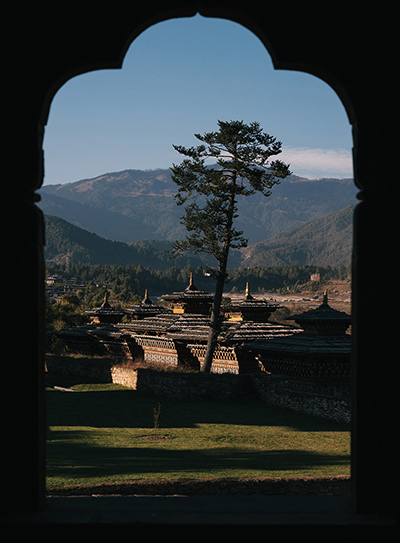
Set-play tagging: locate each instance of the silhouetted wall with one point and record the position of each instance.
(351, 50)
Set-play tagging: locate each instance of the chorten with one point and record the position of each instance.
(191, 300)
(319, 353)
(105, 313)
(324, 320)
(250, 309)
(146, 308)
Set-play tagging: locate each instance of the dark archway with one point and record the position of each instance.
(335, 48)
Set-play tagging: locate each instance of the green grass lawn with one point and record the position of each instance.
(97, 434)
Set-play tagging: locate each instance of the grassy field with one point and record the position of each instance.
(105, 433)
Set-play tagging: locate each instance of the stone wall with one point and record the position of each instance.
(124, 376)
(324, 401)
(328, 402)
(95, 369)
(332, 402)
(186, 386)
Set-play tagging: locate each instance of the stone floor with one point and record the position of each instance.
(162, 512)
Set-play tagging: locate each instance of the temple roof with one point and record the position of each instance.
(245, 332)
(251, 306)
(104, 310)
(323, 315)
(302, 344)
(191, 292)
(250, 301)
(157, 324)
(324, 333)
(146, 308)
(191, 300)
(196, 327)
(171, 325)
(102, 330)
(190, 327)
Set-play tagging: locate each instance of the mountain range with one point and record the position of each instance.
(325, 241)
(134, 205)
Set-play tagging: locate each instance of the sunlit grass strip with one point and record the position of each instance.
(205, 440)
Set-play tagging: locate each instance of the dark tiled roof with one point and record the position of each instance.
(249, 302)
(191, 292)
(104, 309)
(324, 314)
(253, 331)
(303, 343)
(85, 330)
(196, 327)
(156, 324)
(146, 308)
(178, 326)
(190, 327)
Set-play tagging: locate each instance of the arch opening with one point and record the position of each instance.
(280, 99)
(300, 153)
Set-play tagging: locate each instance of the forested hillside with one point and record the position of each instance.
(326, 241)
(68, 244)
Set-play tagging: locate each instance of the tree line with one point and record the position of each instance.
(127, 284)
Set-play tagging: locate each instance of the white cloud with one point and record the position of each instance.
(316, 163)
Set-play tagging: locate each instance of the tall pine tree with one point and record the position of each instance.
(241, 154)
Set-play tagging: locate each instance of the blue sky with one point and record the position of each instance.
(178, 78)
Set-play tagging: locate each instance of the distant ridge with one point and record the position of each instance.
(326, 241)
(69, 244)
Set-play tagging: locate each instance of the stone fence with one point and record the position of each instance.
(93, 369)
(185, 386)
(329, 402)
(324, 401)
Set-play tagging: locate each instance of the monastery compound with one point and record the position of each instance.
(303, 364)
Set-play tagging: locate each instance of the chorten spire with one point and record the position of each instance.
(191, 285)
(105, 302)
(248, 295)
(146, 299)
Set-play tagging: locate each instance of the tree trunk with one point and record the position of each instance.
(215, 324)
(216, 321)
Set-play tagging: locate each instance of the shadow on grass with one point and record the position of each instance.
(72, 460)
(131, 409)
